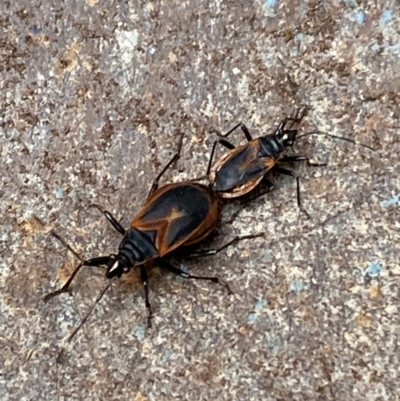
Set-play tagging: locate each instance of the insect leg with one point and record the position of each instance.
(242, 127)
(282, 124)
(210, 252)
(114, 222)
(55, 235)
(292, 84)
(183, 274)
(144, 278)
(223, 142)
(246, 132)
(227, 144)
(300, 114)
(102, 260)
(270, 187)
(157, 179)
(291, 159)
(281, 170)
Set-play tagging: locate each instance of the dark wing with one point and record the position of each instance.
(176, 212)
(241, 167)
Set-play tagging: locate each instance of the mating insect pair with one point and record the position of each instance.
(173, 216)
(182, 214)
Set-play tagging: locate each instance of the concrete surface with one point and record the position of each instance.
(94, 96)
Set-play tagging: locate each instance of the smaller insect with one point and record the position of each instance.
(241, 169)
(173, 216)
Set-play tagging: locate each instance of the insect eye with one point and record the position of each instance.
(126, 269)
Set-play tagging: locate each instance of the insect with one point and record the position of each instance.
(174, 215)
(241, 169)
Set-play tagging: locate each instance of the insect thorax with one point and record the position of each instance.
(138, 246)
(271, 146)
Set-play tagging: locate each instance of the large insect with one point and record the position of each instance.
(174, 215)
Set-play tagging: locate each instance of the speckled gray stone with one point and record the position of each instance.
(95, 95)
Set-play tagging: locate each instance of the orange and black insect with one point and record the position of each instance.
(173, 216)
(243, 168)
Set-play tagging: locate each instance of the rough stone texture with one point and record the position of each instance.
(94, 96)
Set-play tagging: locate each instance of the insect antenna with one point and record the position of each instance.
(294, 86)
(56, 236)
(343, 138)
(83, 321)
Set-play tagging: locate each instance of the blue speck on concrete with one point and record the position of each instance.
(139, 332)
(394, 49)
(36, 30)
(385, 17)
(299, 37)
(269, 60)
(297, 285)
(393, 201)
(167, 356)
(267, 256)
(270, 3)
(294, 51)
(259, 305)
(59, 193)
(374, 269)
(360, 17)
(253, 316)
